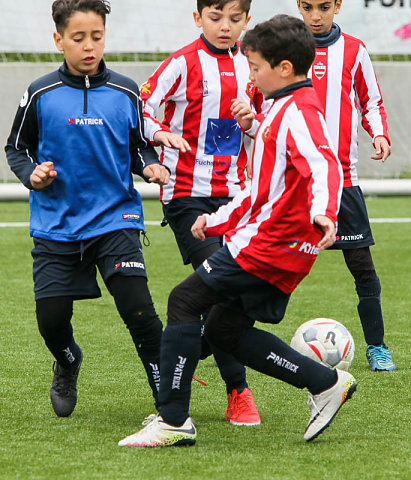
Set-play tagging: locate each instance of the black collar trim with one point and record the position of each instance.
(79, 81)
(218, 51)
(290, 89)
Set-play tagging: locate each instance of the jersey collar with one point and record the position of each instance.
(328, 38)
(79, 81)
(218, 51)
(290, 89)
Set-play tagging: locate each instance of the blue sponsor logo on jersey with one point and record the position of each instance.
(223, 137)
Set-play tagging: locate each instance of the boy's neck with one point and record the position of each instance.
(218, 51)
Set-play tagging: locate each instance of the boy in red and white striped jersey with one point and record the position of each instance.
(274, 230)
(204, 148)
(345, 81)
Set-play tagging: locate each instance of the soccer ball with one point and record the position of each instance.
(326, 341)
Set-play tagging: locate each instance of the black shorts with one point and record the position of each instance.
(244, 292)
(69, 268)
(181, 213)
(354, 229)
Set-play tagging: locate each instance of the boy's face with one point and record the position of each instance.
(82, 42)
(266, 78)
(222, 28)
(319, 14)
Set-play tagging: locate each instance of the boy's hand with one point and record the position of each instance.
(42, 175)
(382, 149)
(157, 174)
(172, 140)
(242, 112)
(328, 227)
(199, 227)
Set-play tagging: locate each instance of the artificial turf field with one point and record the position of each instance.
(369, 439)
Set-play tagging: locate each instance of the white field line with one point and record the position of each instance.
(157, 223)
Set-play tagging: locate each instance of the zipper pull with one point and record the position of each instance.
(230, 53)
(86, 79)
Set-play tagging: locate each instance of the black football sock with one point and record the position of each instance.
(267, 354)
(180, 353)
(369, 310)
(231, 370)
(149, 353)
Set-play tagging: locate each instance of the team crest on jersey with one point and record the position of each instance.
(250, 89)
(266, 134)
(146, 89)
(319, 70)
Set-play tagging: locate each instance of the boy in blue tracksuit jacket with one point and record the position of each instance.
(75, 141)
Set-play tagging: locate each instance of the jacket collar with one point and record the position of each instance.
(290, 89)
(218, 51)
(79, 81)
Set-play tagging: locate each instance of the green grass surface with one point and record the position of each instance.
(370, 438)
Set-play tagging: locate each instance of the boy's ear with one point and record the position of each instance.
(197, 19)
(58, 41)
(338, 6)
(246, 22)
(286, 68)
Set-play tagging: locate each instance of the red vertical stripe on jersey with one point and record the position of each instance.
(320, 75)
(192, 121)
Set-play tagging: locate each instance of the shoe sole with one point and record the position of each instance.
(348, 395)
(244, 423)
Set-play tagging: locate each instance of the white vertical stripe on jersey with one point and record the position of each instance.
(335, 59)
(176, 123)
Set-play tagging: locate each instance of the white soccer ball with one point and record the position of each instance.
(326, 341)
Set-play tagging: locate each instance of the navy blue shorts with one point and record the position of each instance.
(181, 213)
(244, 292)
(354, 229)
(69, 268)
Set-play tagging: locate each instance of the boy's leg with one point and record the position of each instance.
(368, 287)
(54, 323)
(135, 306)
(241, 409)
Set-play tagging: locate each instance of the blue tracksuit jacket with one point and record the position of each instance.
(91, 127)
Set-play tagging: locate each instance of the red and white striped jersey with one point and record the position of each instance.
(197, 86)
(344, 78)
(269, 226)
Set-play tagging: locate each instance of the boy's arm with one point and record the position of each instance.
(23, 140)
(144, 158)
(160, 87)
(224, 219)
(313, 156)
(370, 103)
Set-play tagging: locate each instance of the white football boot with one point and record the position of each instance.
(157, 433)
(325, 405)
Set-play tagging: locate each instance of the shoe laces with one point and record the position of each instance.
(244, 401)
(149, 419)
(380, 353)
(313, 406)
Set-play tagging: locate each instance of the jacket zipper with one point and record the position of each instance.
(87, 84)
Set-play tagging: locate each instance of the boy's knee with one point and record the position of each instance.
(225, 328)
